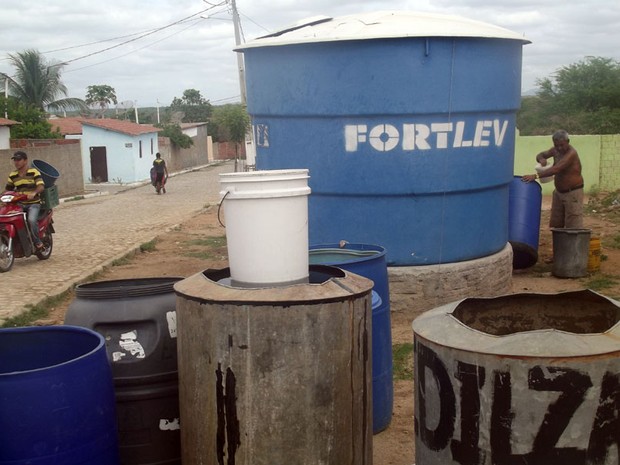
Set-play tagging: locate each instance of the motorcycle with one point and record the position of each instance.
(15, 238)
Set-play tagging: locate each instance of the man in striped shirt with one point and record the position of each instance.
(26, 180)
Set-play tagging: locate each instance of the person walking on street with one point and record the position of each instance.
(567, 199)
(161, 172)
(26, 180)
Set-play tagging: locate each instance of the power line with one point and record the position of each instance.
(142, 36)
(236, 97)
(196, 21)
(254, 22)
(97, 42)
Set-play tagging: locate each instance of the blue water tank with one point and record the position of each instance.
(406, 122)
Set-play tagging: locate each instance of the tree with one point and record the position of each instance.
(101, 96)
(38, 83)
(175, 134)
(34, 124)
(194, 107)
(582, 98)
(233, 123)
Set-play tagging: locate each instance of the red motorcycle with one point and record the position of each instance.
(15, 238)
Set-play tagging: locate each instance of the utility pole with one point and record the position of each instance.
(6, 97)
(240, 66)
(250, 150)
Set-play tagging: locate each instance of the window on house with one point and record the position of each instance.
(140, 145)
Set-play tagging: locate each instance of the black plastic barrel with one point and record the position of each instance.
(137, 318)
(56, 398)
(48, 172)
(525, 200)
(369, 261)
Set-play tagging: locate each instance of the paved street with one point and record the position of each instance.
(92, 232)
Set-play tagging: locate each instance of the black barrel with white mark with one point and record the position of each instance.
(137, 318)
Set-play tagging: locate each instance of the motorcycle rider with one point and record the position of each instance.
(26, 180)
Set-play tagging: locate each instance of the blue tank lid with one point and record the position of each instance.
(381, 25)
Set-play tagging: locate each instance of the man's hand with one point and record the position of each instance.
(529, 177)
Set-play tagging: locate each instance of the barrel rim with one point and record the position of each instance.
(381, 251)
(99, 347)
(120, 288)
(208, 287)
(434, 326)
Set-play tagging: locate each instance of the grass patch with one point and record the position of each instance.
(210, 243)
(402, 355)
(601, 282)
(148, 246)
(613, 242)
(35, 312)
(217, 241)
(77, 197)
(121, 261)
(607, 203)
(205, 255)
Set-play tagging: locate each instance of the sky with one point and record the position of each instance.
(151, 51)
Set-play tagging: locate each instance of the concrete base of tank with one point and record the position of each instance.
(416, 289)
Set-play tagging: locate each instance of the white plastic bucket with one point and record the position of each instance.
(266, 217)
(541, 173)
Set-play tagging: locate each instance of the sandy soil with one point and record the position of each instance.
(189, 249)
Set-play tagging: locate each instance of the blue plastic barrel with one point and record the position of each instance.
(369, 261)
(408, 131)
(56, 397)
(525, 200)
(48, 172)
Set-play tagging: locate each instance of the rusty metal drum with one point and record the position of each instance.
(524, 378)
(279, 375)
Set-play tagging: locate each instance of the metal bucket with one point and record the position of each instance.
(570, 252)
(524, 378)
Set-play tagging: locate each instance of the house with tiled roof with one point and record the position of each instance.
(69, 128)
(5, 132)
(117, 150)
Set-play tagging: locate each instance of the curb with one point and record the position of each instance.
(133, 185)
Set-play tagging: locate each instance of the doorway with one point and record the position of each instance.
(98, 165)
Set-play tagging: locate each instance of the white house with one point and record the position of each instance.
(5, 133)
(117, 151)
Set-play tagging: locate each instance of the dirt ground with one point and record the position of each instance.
(199, 244)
